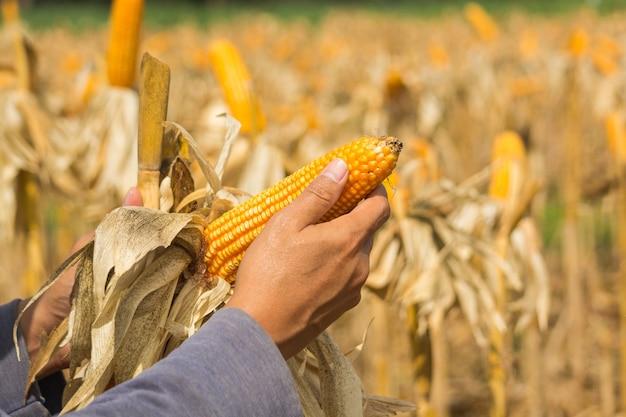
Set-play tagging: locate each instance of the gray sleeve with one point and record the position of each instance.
(13, 373)
(230, 368)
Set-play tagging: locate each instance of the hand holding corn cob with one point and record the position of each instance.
(307, 266)
(54, 306)
(370, 160)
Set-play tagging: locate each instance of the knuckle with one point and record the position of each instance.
(277, 218)
(321, 190)
(364, 272)
(279, 221)
(355, 300)
(359, 276)
(351, 242)
(385, 211)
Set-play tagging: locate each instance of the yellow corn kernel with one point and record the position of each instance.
(236, 83)
(508, 153)
(483, 24)
(125, 27)
(370, 160)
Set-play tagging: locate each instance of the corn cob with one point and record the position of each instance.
(236, 83)
(370, 160)
(483, 24)
(508, 150)
(126, 16)
(578, 43)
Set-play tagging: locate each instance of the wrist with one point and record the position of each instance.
(262, 318)
(285, 331)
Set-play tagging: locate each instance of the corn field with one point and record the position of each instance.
(498, 285)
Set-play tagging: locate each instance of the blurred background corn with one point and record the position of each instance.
(124, 32)
(236, 84)
(508, 156)
(10, 11)
(483, 24)
(578, 43)
(438, 79)
(370, 160)
(616, 137)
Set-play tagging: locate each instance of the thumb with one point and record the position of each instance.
(319, 196)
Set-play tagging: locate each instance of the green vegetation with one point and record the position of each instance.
(86, 15)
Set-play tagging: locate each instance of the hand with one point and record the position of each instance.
(299, 276)
(55, 304)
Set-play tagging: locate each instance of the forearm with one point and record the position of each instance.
(229, 368)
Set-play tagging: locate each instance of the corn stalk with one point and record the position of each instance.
(422, 364)
(505, 182)
(29, 225)
(154, 95)
(617, 145)
(28, 219)
(574, 298)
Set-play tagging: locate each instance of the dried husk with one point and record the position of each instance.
(139, 293)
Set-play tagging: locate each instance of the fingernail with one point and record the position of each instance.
(336, 170)
(132, 197)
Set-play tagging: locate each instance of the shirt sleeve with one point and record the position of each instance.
(13, 400)
(230, 368)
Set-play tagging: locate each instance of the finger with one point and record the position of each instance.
(59, 361)
(132, 198)
(319, 196)
(367, 217)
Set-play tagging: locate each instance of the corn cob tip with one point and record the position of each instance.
(394, 144)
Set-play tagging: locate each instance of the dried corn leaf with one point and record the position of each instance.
(340, 388)
(377, 406)
(265, 167)
(113, 250)
(181, 184)
(49, 347)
